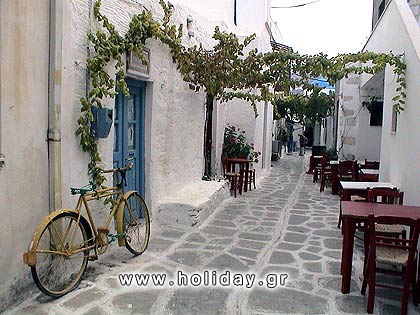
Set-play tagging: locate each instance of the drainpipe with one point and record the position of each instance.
(54, 104)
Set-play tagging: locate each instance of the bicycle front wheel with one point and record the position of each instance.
(61, 258)
(136, 224)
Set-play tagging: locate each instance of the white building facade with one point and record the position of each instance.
(40, 77)
(395, 141)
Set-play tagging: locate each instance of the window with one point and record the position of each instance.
(234, 13)
(394, 120)
(376, 113)
(381, 8)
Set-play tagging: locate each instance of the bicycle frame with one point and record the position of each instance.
(96, 195)
(85, 197)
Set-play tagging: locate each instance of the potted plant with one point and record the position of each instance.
(235, 145)
(332, 154)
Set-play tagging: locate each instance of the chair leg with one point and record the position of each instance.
(339, 217)
(365, 248)
(414, 285)
(321, 187)
(235, 186)
(406, 290)
(418, 280)
(365, 282)
(253, 179)
(371, 295)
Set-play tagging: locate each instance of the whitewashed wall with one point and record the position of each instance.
(24, 99)
(400, 153)
(415, 8)
(251, 18)
(174, 117)
(220, 11)
(357, 138)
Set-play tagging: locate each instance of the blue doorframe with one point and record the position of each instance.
(129, 134)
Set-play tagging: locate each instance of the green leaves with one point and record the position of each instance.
(304, 109)
(225, 72)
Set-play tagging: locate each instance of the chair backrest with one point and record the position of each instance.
(387, 195)
(376, 240)
(374, 165)
(368, 177)
(324, 162)
(346, 169)
(318, 150)
(225, 165)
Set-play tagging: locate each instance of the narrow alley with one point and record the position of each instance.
(285, 226)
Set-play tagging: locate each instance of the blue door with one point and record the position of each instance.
(129, 134)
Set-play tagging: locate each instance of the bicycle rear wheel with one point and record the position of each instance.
(136, 224)
(60, 258)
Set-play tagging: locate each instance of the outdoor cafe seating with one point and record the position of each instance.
(385, 252)
(384, 221)
(390, 230)
(232, 176)
(239, 174)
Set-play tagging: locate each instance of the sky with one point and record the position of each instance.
(328, 26)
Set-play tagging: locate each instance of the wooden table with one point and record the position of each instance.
(355, 212)
(243, 171)
(355, 188)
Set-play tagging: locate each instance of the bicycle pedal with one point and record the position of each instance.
(103, 229)
(93, 257)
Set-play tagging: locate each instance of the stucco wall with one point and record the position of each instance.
(24, 99)
(215, 10)
(174, 117)
(400, 153)
(358, 139)
(174, 114)
(348, 110)
(415, 8)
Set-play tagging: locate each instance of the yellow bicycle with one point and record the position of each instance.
(61, 245)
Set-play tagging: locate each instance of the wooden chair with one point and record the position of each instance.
(347, 170)
(389, 196)
(326, 173)
(317, 169)
(384, 195)
(374, 165)
(368, 177)
(232, 176)
(251, 178)
(388, 251)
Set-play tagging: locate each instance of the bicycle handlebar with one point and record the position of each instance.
(128, 167)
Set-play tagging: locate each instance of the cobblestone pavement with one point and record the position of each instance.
(285, 226)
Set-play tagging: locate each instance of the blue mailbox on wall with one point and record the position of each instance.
(102, 121)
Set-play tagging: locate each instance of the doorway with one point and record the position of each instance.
(129, 134)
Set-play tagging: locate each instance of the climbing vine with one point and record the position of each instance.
(224, 72)
(108, 45)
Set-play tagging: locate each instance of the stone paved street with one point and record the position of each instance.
(285, 226)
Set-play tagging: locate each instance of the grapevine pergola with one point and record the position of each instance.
(223, 73)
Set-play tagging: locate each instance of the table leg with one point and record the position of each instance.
(334, 181)
(347, 254)
(346, 194)
(311, 165)
(246, 177)
(241, 178)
